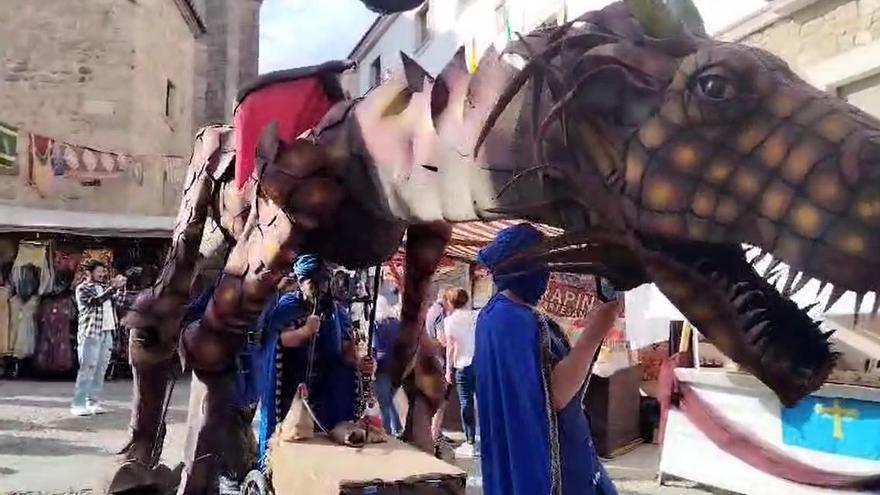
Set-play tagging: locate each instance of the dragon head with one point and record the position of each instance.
(700, 146)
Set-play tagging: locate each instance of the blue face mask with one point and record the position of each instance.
(528, 286)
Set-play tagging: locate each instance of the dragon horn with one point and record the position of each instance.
(655, 17)
(688, 15)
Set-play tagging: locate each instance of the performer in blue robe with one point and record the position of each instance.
(516, 380)
(285, 356)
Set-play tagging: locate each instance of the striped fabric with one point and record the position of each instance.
(8, 153)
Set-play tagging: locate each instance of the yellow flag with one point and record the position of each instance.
(472, 60)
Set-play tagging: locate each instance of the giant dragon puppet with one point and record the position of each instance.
(658, 150)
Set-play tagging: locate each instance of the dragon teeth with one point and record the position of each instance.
(860, 297)
(792, 278)
(758, 259)
(836, 294)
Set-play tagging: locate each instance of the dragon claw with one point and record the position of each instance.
(134, 477)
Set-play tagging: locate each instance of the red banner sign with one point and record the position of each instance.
(569, 296)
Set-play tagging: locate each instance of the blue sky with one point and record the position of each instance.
(295, 33)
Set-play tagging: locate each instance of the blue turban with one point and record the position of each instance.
(527, 282)
(306, 265)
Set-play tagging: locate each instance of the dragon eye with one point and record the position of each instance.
(715, 87)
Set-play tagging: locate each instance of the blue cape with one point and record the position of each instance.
(332, 388)
(515, 445)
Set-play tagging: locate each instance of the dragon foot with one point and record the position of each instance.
(134, 477)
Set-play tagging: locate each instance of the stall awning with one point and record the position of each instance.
(24, 219)
(468, 238)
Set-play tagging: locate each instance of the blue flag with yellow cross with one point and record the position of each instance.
(846, 427)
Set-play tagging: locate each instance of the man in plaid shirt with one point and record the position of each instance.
(97, 322)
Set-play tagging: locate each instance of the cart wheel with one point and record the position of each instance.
(255, 483)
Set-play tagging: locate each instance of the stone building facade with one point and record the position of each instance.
(137, 77)
(834, 44)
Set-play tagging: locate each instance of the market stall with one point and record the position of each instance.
(41, 252)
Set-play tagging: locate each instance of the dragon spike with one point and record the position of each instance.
(450, 87)
(836, 294)
(655, 18)
(876, 306)
(415, 74)
(687, 13)
(822, 287)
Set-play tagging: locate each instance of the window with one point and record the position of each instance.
(463, 5)
(501, 20)
(170, 98)
(864, 94)
(423, 26)
(376, 72)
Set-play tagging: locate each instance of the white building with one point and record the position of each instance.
(433, 33)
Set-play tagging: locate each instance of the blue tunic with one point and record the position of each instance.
(332, 384)
(513, 420)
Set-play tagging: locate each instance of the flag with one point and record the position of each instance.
(844, 427)
(472, 60)
(8, 149)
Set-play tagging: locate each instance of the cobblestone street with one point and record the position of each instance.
(43, 450)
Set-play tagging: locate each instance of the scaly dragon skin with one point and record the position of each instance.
(658, 150)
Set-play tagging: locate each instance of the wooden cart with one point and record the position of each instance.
(321, 467)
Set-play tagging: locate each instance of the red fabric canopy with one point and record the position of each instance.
(296, 106)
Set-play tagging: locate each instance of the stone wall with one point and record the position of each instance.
(164, 52)
(232, 42)
(94, 73)
(66, 69)
(820, 31)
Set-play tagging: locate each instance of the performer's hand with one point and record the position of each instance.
(600, 320)
(118, 282)
(313, 324)
(449, 379)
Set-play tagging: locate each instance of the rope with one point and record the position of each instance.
(552, 419)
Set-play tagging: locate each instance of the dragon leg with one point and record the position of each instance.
(417, 359)
(155, 321)
(210, 345)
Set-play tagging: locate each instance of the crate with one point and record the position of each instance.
(321, 467)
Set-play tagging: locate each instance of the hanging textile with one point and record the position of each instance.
(23, 326)
(5, 343)
(39, 150)
(8, 248)
(67, 258)
(36, 254)
(54, 348)
(88, 164)
(26, 281)
(8, 150)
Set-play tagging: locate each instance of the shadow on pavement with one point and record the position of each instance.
(42, 447)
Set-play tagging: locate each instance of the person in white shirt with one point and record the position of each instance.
(459, 328)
